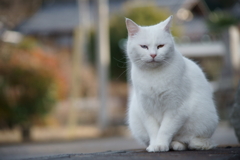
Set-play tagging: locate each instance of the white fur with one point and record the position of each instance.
(171, 103)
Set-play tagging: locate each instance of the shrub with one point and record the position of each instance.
(29, 87)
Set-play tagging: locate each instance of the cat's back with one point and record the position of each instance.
(198, 80)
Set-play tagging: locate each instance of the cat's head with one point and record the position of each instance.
(150, 46)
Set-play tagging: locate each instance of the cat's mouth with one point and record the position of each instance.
(153, 61)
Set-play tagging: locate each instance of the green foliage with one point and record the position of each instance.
(142, 15)
(27, 43)
(221, 20)
(26, 92)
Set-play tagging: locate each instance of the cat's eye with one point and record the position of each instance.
(144, 46)
(160, 46)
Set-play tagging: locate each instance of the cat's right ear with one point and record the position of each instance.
(132, 27)
(167, 24)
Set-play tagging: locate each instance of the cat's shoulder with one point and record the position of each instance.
(193, 69)
(191, 63)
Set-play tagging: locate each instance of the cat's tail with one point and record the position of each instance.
(199, 143)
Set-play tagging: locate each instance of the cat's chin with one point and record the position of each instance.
(154, 63)
(159, 61)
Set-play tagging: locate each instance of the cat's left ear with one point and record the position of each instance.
(167, 24)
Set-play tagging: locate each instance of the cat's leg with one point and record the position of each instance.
(199, 143)
(170, 125)
(178, 146)
(135, 122)
(138, 130)
(152, 127)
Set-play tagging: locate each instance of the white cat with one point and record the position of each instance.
(171, 104)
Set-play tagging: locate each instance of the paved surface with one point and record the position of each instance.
(223, 153)
(223, 135)
(10, 152)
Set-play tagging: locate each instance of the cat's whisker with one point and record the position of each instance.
(122, 74)
(138, 61)
(123, 66)
(120, 60)
(123, 63)
(170, 63)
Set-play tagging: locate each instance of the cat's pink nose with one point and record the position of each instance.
(153, 55)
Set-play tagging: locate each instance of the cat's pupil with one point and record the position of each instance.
(144, 46)
(160, 46)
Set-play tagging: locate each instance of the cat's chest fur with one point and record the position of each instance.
(154, 89)
(149, 80)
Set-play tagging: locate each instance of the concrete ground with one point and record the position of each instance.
(223, 135)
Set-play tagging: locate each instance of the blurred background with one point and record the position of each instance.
(63, 70)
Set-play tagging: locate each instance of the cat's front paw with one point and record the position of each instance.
(157, 148)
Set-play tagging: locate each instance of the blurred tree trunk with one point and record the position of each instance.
(235, 52)
(103, 62)
(26, 132)
(235, 115)
(226, 80)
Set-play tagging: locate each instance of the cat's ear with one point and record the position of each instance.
(132, 27)
(167, 24)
